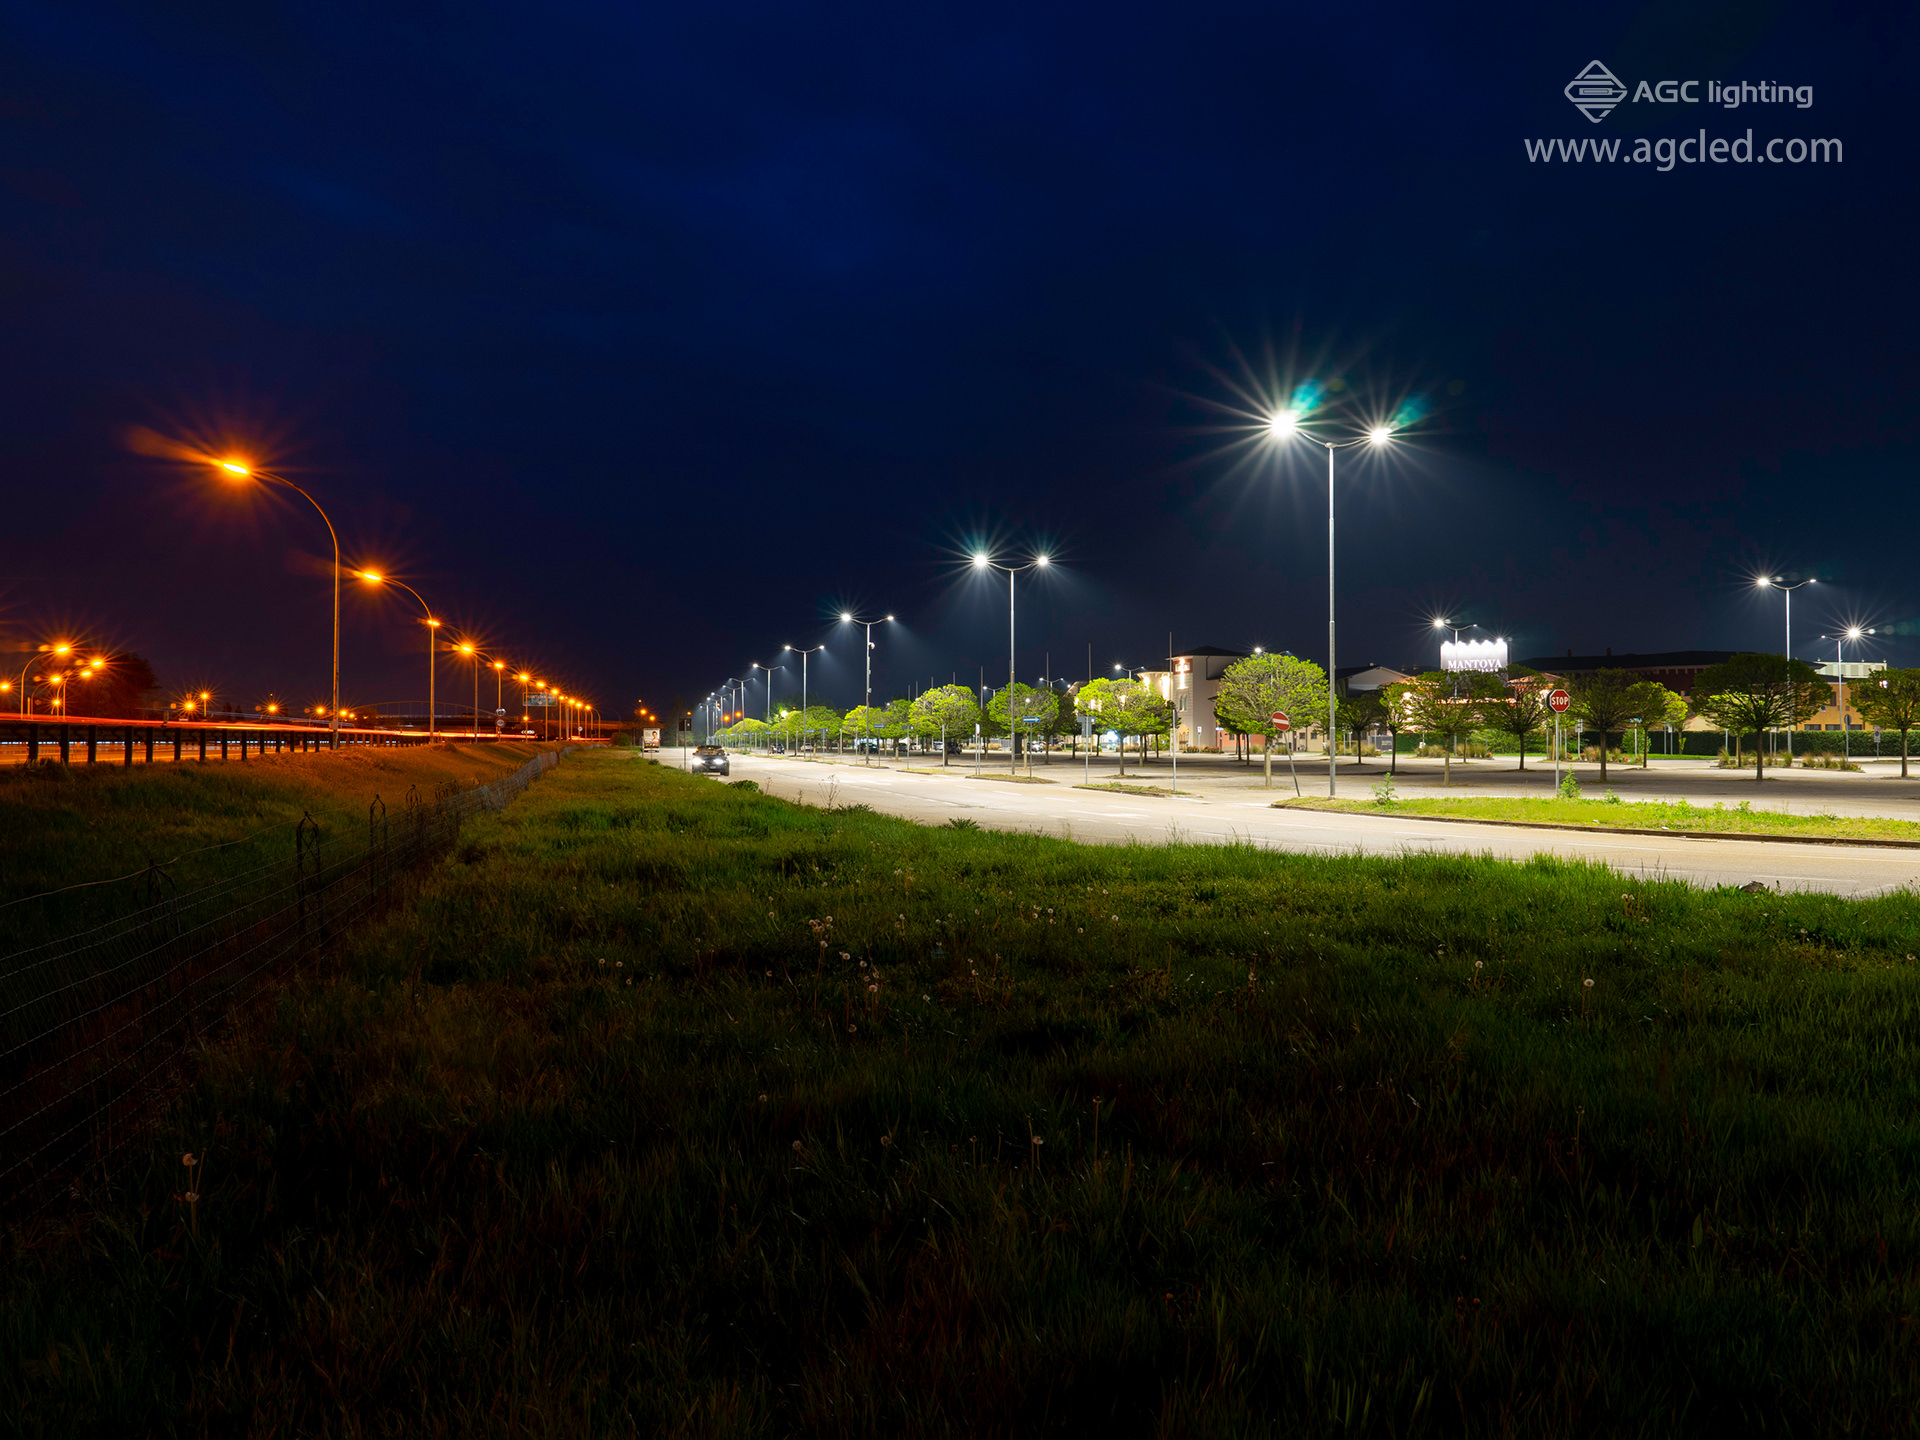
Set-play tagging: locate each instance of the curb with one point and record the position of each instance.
(1625, 829)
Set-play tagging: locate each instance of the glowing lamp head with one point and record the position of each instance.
(1438, 623)
(234, 467)
(498, 666)
(466, 649)
(846, 617)
(372, 577)
(1380, 434)
(1283, 424)
(981, 560)
(889, 619)
(1043, 561)
(206, 695)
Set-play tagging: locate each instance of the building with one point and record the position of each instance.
(1191, 687)
(1848, 677)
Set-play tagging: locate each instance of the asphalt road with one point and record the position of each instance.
(1228, 811)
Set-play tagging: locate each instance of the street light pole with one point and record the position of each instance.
(803, 654)
(984, 561)
(373, 577)
(1774, 582)
(234, 467)
(866, 710)
(1282, 426)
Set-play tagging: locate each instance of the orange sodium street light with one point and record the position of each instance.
(246, 472)
(374, 577)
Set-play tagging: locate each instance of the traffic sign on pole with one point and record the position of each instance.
(1559, 700)
(1280, 721)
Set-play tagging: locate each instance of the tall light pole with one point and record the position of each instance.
(39, 659)
(983, 561)
(373, 577)
(1855, 633)
(766, 670)
(803, 654)
(1284, 426)
(246, 472)
(1774, 582)
(466, 648)
(866, 710)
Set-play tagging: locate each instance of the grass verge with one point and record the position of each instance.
(1740, 819)
(674, 1108)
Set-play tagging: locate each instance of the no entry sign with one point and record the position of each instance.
(1280, 720)
(1559, 700)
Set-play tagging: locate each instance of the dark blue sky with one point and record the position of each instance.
(642, 339)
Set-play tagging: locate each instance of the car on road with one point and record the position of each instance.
(710, 759)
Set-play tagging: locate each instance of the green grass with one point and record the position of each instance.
(1741, 818)
(677, 1109)
(80, 825)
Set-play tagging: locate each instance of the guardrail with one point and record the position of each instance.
(107, 741)
(93, 1025)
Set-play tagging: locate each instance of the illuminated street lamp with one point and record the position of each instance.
(1774, 582)
(1854, 633)
(1281, 427)
(499, 705)
(26, 694)
(465, 648)
(983, 561)
(847, 618)
(803, 654)
(246, 472)
(373, 577)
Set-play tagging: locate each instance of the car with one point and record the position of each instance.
(710, 760)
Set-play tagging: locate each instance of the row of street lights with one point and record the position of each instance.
(238, 470)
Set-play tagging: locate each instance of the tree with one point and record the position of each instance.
(1033, 711)
(946, 711)
(1615, 700)
(1253, 688)
(1066, 716)
(819, 722)
(1427, 703)
(896, 723)
(1672, 710)
(1752, 694)
(1892, 704)
(863, 721)
(1356, 714)
(745, 730)
(1126, 707)
(1521, 710)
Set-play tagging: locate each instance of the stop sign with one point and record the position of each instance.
(1280, 720)
(1559, 700)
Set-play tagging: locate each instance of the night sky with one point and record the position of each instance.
(642, 339)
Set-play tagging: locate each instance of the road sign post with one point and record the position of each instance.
(1557, 702)
(1086, 736)
(1281, 725)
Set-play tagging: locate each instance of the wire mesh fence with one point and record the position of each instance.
(94, 1025)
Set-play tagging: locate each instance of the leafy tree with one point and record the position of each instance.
(948, 711)
(119, 690)
(896, 724)
(1126, 707)
(1891, 704)
(1752, 694)
(821, 721)
(1522, 710)
(1615, 701)
(1033, 710)
(863, 721)
(1672, 710)
(745, 730)
(1356, 714)
(1429, 703)
(1066, 717)
(1254, 687)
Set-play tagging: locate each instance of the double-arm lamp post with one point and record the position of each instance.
(866, 711)
(1855, 633)
(983, 561)
(1774, 582)
(1284, 426)
(803, 654)
(238, 471)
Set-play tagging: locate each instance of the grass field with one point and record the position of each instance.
(1739, 819)
(77, 826)
(672, 1108)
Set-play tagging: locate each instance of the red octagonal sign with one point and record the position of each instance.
(1559, 700)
